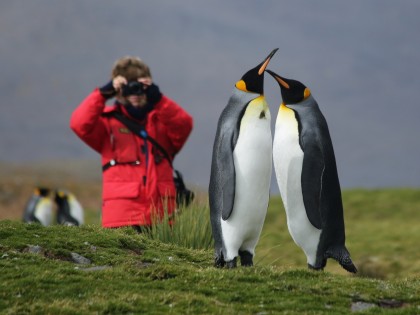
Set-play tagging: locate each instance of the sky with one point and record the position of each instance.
(361, 60)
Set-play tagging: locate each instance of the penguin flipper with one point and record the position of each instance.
(228, 180)
(312, 173)
(226, 138)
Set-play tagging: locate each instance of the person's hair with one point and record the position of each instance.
(131, 68)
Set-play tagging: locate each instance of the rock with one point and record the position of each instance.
(390, 303)
(79, 259)
(361, 306)
(34, 249)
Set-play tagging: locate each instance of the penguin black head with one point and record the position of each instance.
(61, 197)
(253, 80)
(64, 215)
(292, 91)
(42, 191)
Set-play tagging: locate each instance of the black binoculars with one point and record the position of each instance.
(133, 88)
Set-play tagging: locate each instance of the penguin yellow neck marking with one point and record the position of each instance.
(257, 109)
(284, 109)
(286, 114)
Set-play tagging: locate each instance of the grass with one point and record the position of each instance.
(192, 227)
(137, 274)
(382, 233)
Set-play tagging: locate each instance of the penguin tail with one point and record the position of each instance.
(342, 255)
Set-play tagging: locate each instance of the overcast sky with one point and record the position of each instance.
(360, 58)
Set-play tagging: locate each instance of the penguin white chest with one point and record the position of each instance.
(76, 210)
(44, 211)
(253, 159)
(288, 161)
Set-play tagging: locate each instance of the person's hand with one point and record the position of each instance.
(152, 92)
(146, 81)
(118, 82)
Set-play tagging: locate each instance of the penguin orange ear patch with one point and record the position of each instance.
(306, 93)
(241, 85)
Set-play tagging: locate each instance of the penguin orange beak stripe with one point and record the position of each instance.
(266, 62)
(282, 82)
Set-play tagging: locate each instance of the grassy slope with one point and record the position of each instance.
(382, 230)
(149, 277)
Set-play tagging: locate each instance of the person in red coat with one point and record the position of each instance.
(138, 184)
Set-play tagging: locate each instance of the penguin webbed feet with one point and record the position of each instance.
(310, 267)
(319, 265)
(67, 223)
(246, 258)
(231, 264)
(219, 261)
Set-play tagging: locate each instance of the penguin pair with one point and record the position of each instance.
(39, 208)
(305, 169)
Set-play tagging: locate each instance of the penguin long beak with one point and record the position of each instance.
(292, 91)
(265, 63)
(253, 80)
(279, 79)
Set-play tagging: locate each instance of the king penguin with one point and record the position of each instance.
(69, 210)
(39, 207)
(306, 172)
(241, 170)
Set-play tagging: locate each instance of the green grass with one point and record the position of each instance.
(191, 229)
(140, 275)
(382, 234)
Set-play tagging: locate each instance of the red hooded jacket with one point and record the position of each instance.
(140, 184)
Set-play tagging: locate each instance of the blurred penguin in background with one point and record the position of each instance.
(39, 208)
(69, 210)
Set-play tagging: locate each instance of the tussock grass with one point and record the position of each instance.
(189, 227)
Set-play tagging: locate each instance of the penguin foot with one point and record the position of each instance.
(66, 223)
(315, 268)
(246, 258)
(219, 261)
(231, 264)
